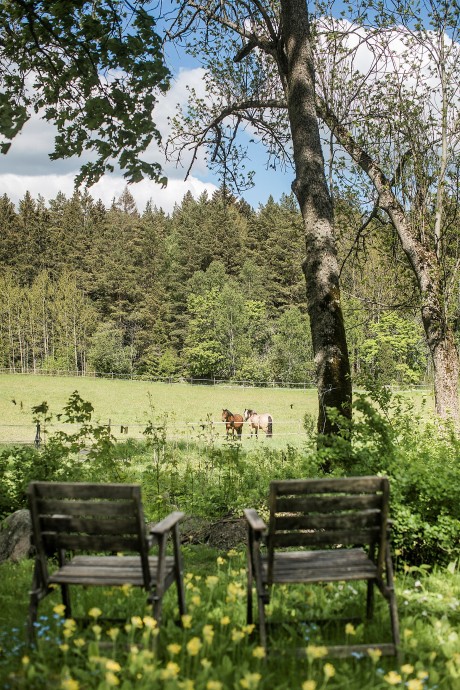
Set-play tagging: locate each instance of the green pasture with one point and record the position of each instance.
(189, 409)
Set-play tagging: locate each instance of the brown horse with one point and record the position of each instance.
(233, 422)
(259, 421)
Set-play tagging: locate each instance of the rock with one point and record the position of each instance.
(224, 534)
(15, 537)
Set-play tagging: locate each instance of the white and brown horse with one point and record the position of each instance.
(259, 421)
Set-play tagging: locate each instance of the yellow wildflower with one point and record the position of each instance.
(136, 621)
(350, 629)
(407, 669)
(392, 678)
(188, 576)
(259, 652)
(187, 684)
(225, 620)
(248, 629)
(415, 684)
(232, 553)
(197, 578)
(64, 648)
(186, 621)
(196, 600)
(112, 665)
(407, 633)
(237, 635)
(128, 627)
(113, 633)
(171, 671)
(126, 589)
(97, 631)
(70, 684)
(79, 642)
(94, 612)
(25, 660)
(309, 685)
(208, 634)
(250, 680)
(374, 654)
(214, 685)
(423, 675)
(329, 670)
(150, 622)
(194, 645)
(111, 679)
(220, 560)
(315, 652)
(174, 648)
(206, 663)
(59, 609)
(211, 581)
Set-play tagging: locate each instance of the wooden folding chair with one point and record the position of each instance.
(84, 526)
(313, 535)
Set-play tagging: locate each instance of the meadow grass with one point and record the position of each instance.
(216, 650)
(131, 403)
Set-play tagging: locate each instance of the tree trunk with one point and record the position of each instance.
(425, 265)
(320, 266)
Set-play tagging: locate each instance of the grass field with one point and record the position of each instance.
(131, 403)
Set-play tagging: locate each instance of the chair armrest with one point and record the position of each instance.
(167, 523)
(255, 522)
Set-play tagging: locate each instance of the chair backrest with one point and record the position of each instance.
(318, 513)
(92, 518)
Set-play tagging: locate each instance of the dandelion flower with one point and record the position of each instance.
(415, 684)
(220, 560)
(225, 620)
(97, 631)
(126, 589)
(259, 653)
(237, 635)
(174, 648)
(59, 609)
(70, 684)
(232, 553)
(94, 612)
(112, 665)
(150, 622)
(206, 663)
(171, 671)
(315, 652)
(423, 675)
(208, 634)
(392, 678)
(250, 680)
(309, 685)
(186, 620)
(194, 645)
(329, 670)
(187, 684)
(79, 642)
(113, 633)
(196, 600)
(249, 629)
(111, 679)
(212, 581)
(214, 685)
(350, 629)
(64, 648)
(407, 669)
(25, 660)
(374, 654)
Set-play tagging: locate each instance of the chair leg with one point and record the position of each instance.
(370, 600)
(249, 616)
(262, 623)
(65, 593)
(32, 617)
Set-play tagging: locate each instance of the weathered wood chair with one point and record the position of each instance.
(76, 521)
(324, 520)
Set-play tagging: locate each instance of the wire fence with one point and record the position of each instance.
(302, 385)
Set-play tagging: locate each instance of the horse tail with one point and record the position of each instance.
(270, 427)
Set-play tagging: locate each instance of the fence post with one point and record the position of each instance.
(37, 440)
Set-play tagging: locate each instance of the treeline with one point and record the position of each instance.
(215, 289)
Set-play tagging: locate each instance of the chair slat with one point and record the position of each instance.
(353, 485)
(99, 508)
(334, 521)
(70, 524)
(343, 537)
(327, 503)
(86, 542)
(82, 490)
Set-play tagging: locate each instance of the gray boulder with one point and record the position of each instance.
(15, 537)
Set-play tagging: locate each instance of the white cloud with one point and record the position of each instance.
(27, 165)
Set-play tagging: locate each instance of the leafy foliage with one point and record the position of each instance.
(94, 69)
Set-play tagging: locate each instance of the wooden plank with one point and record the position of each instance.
(361, 536)
(341, 521)
(82, 490)
(70, 524)
(255, 521)
(167, 523)
(354, 485)
(102, 508)
(326, 503)
(86, 542)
